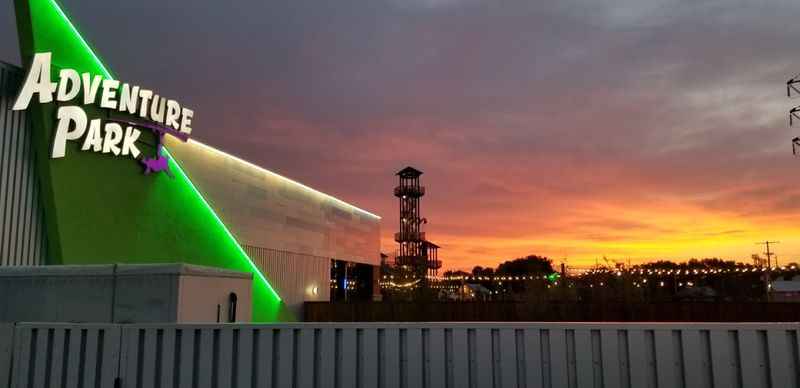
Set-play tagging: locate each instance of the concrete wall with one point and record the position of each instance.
(119, 293)
(484, 355)
(266, 210)
(57, 293)
(22, 231)
(199, 295)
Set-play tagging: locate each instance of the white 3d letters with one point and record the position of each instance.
(71, 126)
(38, 82)
(69, 85)
(127, 100)
(94, 139)
(109, 94)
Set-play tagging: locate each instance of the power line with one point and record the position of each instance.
(792, 85)
(768, 274)
(793, 90)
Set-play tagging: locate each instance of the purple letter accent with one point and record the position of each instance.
(160, 162)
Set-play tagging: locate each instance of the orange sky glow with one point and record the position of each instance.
(629, 129)
(671, 234)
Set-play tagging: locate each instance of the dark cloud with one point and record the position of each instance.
(558, 123)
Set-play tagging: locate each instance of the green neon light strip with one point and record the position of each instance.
(221, 224)
(53, 31)
(66, 19)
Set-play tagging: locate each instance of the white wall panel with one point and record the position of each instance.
(403, 355)
(266, 210)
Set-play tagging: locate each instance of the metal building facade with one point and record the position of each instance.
(289, 230)
(266, 210)
(22, 230)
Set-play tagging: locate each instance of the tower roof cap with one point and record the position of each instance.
(431, 244)
(409, 172)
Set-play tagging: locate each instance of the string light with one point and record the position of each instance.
(643, 275)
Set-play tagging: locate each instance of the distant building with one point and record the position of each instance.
(475, 291)
(786, 290)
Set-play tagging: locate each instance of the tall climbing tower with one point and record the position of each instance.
(412, 251)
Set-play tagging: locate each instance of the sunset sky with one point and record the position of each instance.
(631, 129)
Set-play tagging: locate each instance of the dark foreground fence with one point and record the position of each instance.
(551, 312)
(401, 355)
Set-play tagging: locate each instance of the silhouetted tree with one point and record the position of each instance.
(456, 273)
(481, 271)
(524, 266)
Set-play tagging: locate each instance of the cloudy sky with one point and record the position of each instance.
(631, 129)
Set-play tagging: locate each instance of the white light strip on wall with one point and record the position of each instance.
(268, 172)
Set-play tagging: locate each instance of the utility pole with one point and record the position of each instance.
(768, 274)
(768, 252)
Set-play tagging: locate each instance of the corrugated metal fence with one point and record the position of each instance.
(555, 311)
(401, 355)
(22, 233)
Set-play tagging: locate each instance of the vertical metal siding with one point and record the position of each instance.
(406, 355)
(22, 233)
(292, 274)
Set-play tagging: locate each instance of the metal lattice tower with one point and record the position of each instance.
(411, 238)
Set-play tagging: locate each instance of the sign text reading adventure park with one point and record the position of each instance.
(160, 115)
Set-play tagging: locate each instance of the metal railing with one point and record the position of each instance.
(409, 236)
(414, 191)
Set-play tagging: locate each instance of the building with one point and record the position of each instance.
(296, 235)
(786, 290)
(179, 201)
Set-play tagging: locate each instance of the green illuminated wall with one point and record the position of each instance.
(102, 209)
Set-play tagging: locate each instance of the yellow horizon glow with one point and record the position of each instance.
(686, 232)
